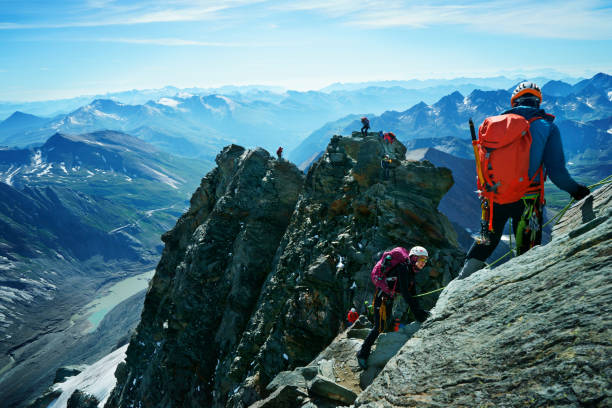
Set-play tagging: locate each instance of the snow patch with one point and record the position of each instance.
(46, 170)
(164, 178)
(37, 159)
(230, 103)
(104, 115)
(9, 178)
(98, 379)
(173, 103)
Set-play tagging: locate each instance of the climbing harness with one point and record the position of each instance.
(529, 225)
(382, 309)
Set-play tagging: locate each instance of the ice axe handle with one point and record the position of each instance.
(472, 130)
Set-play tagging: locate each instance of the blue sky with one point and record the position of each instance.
(56, 49)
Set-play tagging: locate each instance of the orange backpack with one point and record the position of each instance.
(503, 145)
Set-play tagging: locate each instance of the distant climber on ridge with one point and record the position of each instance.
(352, 316)
(394, 272)
(389, 137)
(279, 153)
(515, 189)
(385, 163)
(366, 126)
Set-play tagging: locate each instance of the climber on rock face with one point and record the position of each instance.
(501, 196)
(385, 163)
(389, 137)
(366, 126)
(352, 316)
(394, 272)
(279, 153)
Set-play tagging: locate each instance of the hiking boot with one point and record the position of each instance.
(363, 362)
(469, 267)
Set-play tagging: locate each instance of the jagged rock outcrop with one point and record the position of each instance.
(208, 279)
(533, 332)
(79, 399)
(240, 295)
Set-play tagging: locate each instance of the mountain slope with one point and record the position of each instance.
(261, 318)
(20, 122)
(532, 332)
(77, 215)
(523, 334)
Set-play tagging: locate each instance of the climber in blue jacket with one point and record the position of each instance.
(546, 151)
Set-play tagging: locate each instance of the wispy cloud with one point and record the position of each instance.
(96, 13)
(567, 19)
(178, 42)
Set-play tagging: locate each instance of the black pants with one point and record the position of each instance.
(385, 168)
(501, 214)
(364, 130)
(380, 323)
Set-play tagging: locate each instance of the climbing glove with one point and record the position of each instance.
(580, 193)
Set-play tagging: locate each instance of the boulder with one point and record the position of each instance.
(68, 371)
(299, 378)
(285, 396)
(327, 388)
(79, 399)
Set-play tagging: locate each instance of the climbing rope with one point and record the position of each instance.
(560, 214)
(429, 293)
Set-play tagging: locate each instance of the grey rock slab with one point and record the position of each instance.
(283, 397)
(326, 368)
(357, 333)
(387, 344)
(584, 211)
(298, 378)
(533, 332)
(327, 388)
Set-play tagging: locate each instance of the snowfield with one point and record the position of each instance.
(98, 380)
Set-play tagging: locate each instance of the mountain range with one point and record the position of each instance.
(193, 122)
(430, 90)
(84, 207)
(583, 113)
(77, 214)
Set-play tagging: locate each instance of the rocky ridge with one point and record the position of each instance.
(533, 332)
(256, 277)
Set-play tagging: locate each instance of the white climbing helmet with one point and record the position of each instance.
(418, 251)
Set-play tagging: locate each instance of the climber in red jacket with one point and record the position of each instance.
(352, 316)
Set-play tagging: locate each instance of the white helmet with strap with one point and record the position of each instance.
(418, 251)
